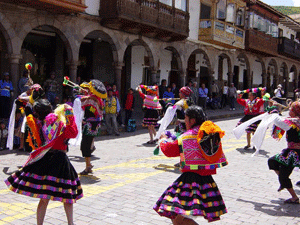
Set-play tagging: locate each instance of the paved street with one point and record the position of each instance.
(125, 185)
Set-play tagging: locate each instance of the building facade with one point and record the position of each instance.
(128, 42)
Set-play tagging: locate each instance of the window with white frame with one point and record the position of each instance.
(221, 9)
(231, 13)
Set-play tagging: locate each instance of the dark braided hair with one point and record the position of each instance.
(41, 108)
(197, 113)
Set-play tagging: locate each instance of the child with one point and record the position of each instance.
(152, 106)
(195, 192)
(128, 105)
(284, 162)
(69, 102)
(3, 135)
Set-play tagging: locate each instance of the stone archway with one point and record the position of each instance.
(263, 73)
(138, 66)
(272, 75)
(176, 67)
(221, 68)
(5, 49)
(284, 77)
(199, 68)
(97, 58)
(247, 77)
(293, 78)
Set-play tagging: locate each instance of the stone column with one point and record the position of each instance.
(73, 70)
(153, 76)
(230, 78)
(183, 77)
(15, 71)
(264, 79)
(118, 74)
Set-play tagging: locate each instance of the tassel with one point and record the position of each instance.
(156, 150)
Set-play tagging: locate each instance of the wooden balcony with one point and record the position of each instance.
(54, 6)
(260, 42)
(289, 48)
(150, 18)
(221, 33)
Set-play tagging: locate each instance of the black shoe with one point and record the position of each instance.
(298, 183)
(117, 134)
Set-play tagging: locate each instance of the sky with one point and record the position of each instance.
(282, 2)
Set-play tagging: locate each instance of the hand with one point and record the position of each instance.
(163, 136)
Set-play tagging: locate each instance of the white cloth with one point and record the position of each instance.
(11, 128)
(78, 113)
(166, 120)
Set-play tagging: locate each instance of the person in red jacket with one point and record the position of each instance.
(48, 173)
(252, 108)
(195, 192)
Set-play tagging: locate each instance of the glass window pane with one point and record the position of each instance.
(205, 11)
(221, 9)
(167, 2)
(230, 14)
(180, 4)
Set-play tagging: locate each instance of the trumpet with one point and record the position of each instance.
(69, 83)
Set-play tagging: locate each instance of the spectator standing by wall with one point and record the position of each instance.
(51, 88)
(112, 108)
(224, 95)
(6, 88)
(203, 91)
(195, 94)
(3, 135)
(232, 94)
(214, 89)
(23, 81)
(279, 92)
(128, 105)
(175, 90)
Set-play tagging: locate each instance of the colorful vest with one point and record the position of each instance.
(151, 102)
(111, 105)
(194, 155)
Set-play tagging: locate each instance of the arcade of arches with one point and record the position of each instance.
(81, 47)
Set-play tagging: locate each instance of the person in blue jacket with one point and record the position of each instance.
(6, 88)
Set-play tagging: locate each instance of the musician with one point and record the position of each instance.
(252, 108)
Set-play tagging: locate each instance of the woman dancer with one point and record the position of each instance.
(252, 108)
(194, 193)
(284, 162)
(48, 173)
(152, 105)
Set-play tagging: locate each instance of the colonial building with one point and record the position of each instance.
(129, 42)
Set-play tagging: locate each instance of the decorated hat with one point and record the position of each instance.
(266, 97)
(151, 89)
(295, 108)
(186, 91)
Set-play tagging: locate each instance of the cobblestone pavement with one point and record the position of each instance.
(125, 185)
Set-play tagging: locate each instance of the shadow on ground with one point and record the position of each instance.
(278, 208)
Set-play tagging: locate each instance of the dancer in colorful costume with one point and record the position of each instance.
(152, 105)
(194, 193)
(88, 109)
(252, 108)
(284, 162)
(48, 173)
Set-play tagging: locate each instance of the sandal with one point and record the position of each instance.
(151, 142)
(247, 146)
(87, 170)
(291, 201)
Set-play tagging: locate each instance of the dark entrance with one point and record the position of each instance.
(235, 78)
(204, 76)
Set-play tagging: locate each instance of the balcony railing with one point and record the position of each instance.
(57, 6)
(289, 47)
(146, 16)
(261, 42)
(221, 33)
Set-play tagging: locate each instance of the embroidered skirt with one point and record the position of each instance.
(252, 127)
(192, 195)
(289, 157)
(150, 117)
(91, 128)
(52, 177)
